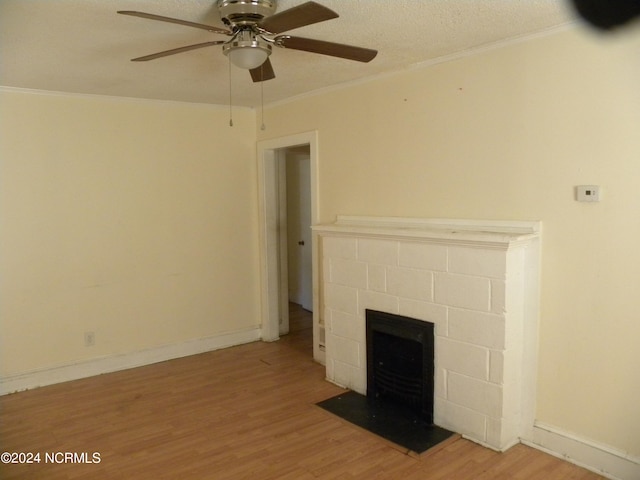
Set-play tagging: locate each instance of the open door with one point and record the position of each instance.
(273, 235)
(299, 268)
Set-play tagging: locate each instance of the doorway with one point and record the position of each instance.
(274, 234)
(297, 166)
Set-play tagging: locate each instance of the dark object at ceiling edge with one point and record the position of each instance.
(608, 14)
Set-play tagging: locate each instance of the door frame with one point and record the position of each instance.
(271, 232)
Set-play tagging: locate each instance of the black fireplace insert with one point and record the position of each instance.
(400, 362)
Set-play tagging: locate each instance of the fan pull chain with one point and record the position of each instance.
(263, 126)
(230, 98)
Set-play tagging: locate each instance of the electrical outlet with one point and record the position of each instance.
(89, 339)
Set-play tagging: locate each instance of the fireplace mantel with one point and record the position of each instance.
(497, 233)
(475, 280)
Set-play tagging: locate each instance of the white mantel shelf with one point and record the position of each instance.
(486, 233)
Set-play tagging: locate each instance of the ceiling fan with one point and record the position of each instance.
(255, 29)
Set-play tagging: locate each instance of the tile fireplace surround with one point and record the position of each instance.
(477, 281)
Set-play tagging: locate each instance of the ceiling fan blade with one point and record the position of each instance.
(151, 16)
(341, 50)
(173, 51)
(306, 14)
(263, 73)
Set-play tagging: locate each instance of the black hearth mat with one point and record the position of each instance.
(390, 421)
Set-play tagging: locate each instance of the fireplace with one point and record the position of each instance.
(400, 362)
(475, 281)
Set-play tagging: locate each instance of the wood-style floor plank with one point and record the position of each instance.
(243, 412)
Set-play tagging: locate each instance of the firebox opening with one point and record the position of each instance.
(400, 362)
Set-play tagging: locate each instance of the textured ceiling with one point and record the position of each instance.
(83, 46)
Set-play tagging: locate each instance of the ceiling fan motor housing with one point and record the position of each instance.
(245, 12)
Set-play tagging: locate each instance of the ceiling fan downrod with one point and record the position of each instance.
(237, 13)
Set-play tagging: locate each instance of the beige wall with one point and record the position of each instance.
(135, 220)
(507, 134)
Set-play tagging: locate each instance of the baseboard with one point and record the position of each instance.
(113, 363)
(503, 449)
(598, 458)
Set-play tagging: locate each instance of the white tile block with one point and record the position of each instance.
(440, 382)
(326, 268)
(462, 358)
(410, 283)
(377, 301)
(463, 291)
(339, 247)
(501, 434)
(341, 298)
(515, 286)
(460, 419)
(514, 330)
(498, 296)
(511, 401)
(514, 298)
(486, 329)
(482, 397)
(496, 366)
(330, 372)
(349, 273)
(512, 368)
(359, 382)
(477, 261)
(382, 252)
(429, 312)
(346, 325)
(424, 256)
(376, 277)
(516, 262)
(350, 377)
(344, 350)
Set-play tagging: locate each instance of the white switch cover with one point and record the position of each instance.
(588, 193)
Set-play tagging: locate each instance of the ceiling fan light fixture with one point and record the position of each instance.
(248, 57)
(247, 50)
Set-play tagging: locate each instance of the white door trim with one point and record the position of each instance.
(270, 288)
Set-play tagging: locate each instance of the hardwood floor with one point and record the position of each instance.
(243, 412)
